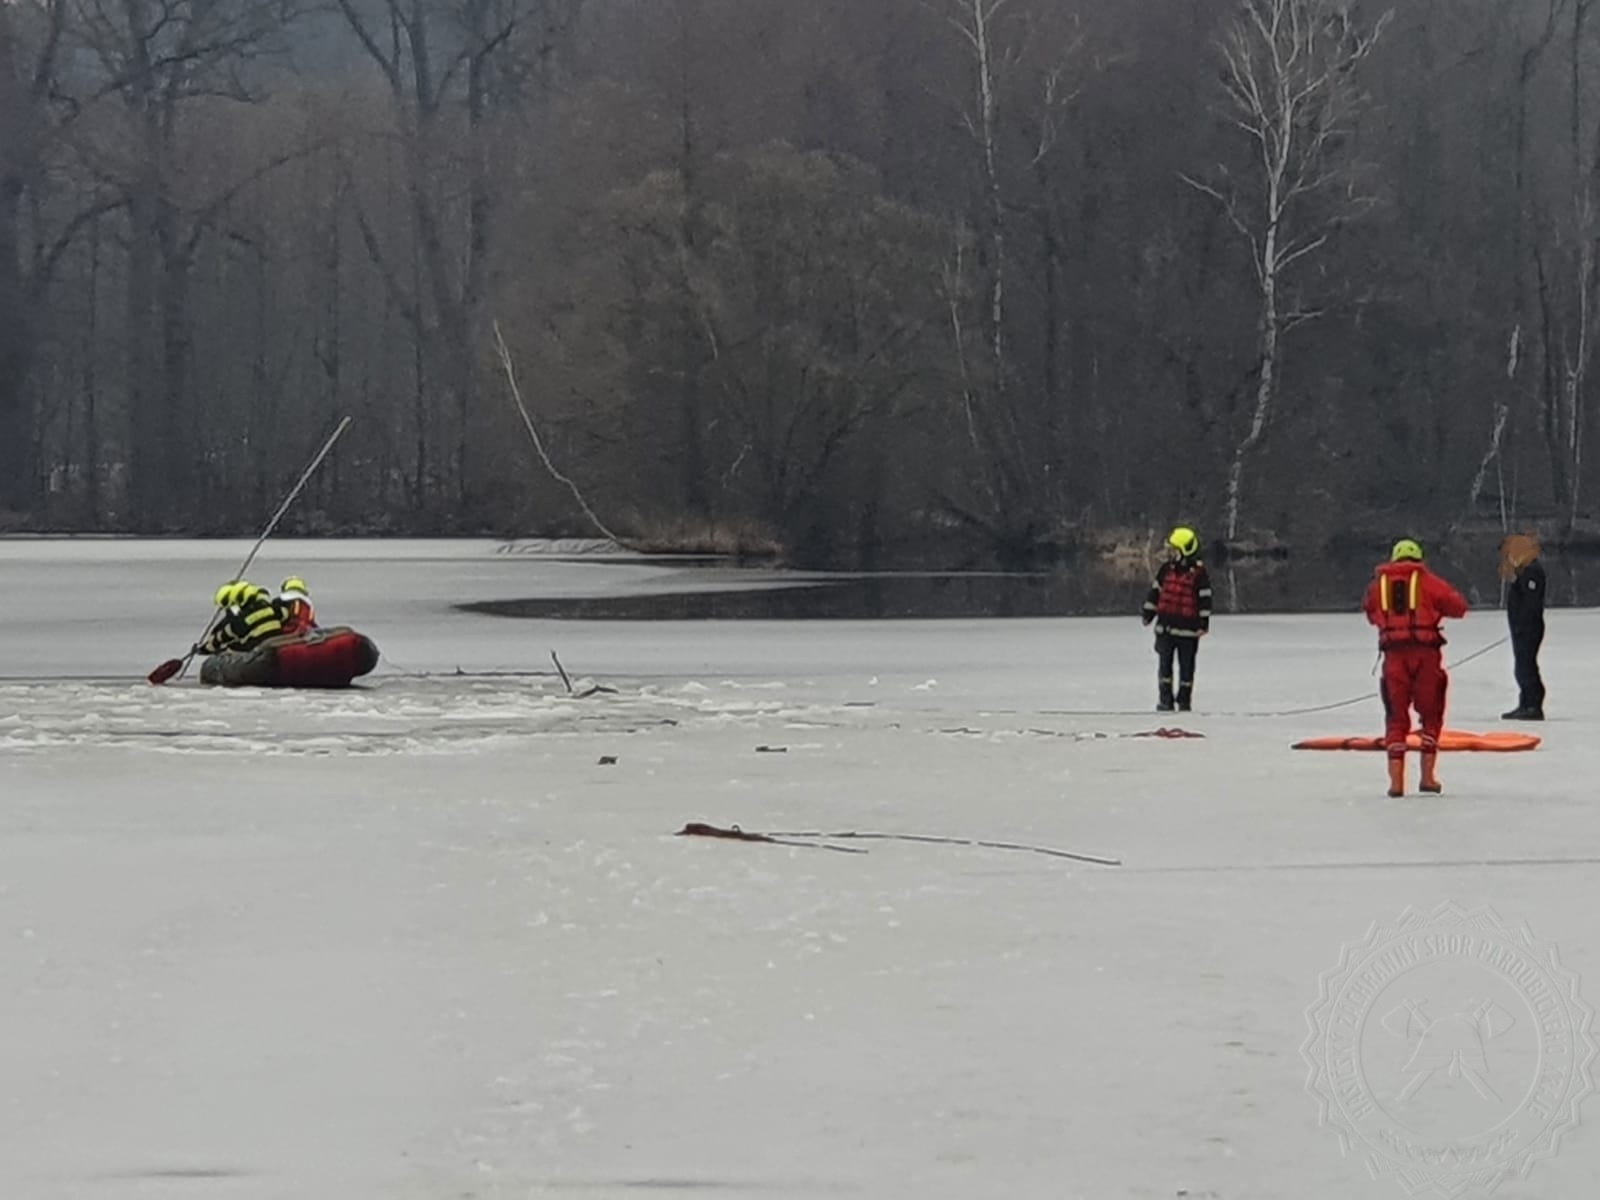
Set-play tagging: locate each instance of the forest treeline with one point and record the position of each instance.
(858, 280)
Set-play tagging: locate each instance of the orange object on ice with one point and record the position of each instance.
(1449, 739)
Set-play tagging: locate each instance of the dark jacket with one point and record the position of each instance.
(1179, 601)
(250, 622)
(1525, 599)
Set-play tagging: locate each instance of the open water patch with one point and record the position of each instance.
(177, 1174)
(849, 597)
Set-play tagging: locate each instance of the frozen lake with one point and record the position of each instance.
(417, 941)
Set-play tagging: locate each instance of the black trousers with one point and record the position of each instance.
(1183, 649)
(1525, 655)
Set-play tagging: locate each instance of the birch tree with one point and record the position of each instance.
(1289, 77)
(1019, 89)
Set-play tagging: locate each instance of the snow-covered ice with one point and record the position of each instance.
(417, 941)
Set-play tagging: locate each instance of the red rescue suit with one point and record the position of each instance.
(1406, 601)
(298, 615)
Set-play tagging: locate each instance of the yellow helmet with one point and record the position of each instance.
(1185, 541)
(1406, 548)
(294, 584)
(233, 593)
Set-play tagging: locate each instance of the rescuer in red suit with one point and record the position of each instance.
(1406, 601)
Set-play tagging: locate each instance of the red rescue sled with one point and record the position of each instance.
(1449, 739)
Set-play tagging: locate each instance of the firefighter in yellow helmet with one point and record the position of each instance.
(1179, 604)
(249, 617)
(1408, 603)
(295, 607)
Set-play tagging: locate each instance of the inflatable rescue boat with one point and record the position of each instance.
(316, 658)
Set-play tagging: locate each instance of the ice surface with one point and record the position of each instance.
(416, 942)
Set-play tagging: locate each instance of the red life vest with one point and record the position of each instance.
(1407, 616)
(1180, 593)
(298, 616)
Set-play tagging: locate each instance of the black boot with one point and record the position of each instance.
(1164, 702)
(1524, 712)
(1185, 696)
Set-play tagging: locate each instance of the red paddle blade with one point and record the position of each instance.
(166, 670)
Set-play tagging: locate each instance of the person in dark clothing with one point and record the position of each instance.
(1179, 603)
(1525, 587)
(249, 616)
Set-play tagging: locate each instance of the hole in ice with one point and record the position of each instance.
(177, 1173)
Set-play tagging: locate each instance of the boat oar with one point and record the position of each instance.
(176, 666)
(172, 666)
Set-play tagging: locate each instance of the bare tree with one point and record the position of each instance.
(1019, 88)
(1528, 58)
(1577, 348)
(1056, 95)
(697, 343)
(17, 134)
(990, 416)
(30, 53)
(1288, 70)
(452, 70)
(158, 62)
